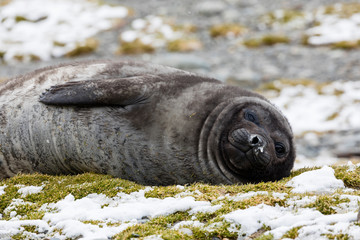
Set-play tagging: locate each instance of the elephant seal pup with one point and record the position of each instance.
(147, 123)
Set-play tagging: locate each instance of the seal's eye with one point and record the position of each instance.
(280, 149)
(250, 116)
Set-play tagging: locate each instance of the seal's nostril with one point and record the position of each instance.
(255, 140)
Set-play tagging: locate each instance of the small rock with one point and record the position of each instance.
(135, 235)
(215, 238)
(209, 8)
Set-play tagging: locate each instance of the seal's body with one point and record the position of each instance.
(142, 122)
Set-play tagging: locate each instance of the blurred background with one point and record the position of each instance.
(303, 55)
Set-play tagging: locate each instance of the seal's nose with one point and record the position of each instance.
(255, 140)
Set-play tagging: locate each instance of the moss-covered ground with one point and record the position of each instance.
(213, 224)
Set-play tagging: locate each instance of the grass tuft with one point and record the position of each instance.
(266, 40)
(227, 30)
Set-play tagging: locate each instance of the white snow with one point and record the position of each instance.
(301, 201)
(136, 207)
(51, 28)
(282, 219)
(205, 209)
(338, 103)
(69, 214)
(252, 218)
(317, 181)
(243, 196)
(29, 190)
(2, 189)
(334, 29)
(153, 30)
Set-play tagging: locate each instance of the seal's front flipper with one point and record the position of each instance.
(114, 92)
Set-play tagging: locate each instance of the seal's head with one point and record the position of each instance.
(254, 141)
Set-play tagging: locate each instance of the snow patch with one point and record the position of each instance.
(281, 220)
(333, 29)
(2, 190)
(24, 191)
(243, 196)
(51, 28)
(338, 104)
(317, 181)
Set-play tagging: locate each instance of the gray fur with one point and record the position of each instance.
(147, 123)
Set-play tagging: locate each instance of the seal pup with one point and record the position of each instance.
(143, 122)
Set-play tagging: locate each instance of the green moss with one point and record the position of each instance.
(18, 236)
(184, 45)
(20, 19)
(163, 192)
(305, 40)
(274, 39)
(135, 47)
(351, 179)
(266, 40)
(30, 228)
(187, 28)
(332, 116)
(326, 203)
(156, 226)
(227, 29)
(252, 42)
(265, 237)
(59, 44)
(212, 192)
(221, 232)
(283, 16)
(292, 233)
(21, 58)
(206, 217)
(347, 45)
(279, 84)
(90, 45)
(56, 188)
(344, 10)
(24, 19)
(24, 209)
(340, 236)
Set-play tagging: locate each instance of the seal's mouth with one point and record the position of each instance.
(247, 150)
